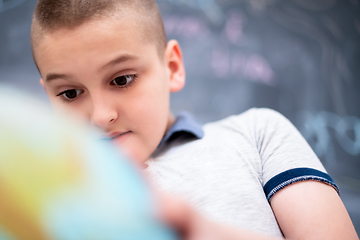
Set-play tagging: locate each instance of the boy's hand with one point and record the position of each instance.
(190, 225)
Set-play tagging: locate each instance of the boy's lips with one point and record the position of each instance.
(117, 136)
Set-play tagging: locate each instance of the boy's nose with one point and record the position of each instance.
(103, 114)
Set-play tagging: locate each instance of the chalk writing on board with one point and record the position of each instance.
(213, 9)
(228, 60)
(317, 127)
(189, 27)
(305, 19)
(209, 7)
(255, 67)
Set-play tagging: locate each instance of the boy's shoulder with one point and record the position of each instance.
(187, 132)
(254, 114)
(186, 125)
(257, 118)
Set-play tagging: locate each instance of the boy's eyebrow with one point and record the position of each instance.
(53, 76)
(120, 59)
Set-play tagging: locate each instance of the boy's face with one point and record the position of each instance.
(106, 72)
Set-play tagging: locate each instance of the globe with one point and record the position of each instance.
(59, 180)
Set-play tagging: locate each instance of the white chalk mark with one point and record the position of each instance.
(317, 128)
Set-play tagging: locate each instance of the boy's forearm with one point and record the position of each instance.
(229, 233)
(191, 225)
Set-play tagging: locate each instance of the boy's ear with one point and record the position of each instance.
(175, 65)
(42, 83)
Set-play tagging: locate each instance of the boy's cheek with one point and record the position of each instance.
(64, 110)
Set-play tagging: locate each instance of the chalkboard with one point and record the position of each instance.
(299, 57)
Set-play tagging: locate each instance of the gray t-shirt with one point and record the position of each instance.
(230, 174)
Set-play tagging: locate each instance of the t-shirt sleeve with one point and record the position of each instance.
(285, 155)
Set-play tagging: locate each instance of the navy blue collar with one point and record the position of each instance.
(184, 123)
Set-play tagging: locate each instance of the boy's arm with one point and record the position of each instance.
(312, 210)
(304, 210)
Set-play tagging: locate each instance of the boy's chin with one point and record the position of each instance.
(137, 156)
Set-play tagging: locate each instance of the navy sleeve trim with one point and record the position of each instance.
(295, 175)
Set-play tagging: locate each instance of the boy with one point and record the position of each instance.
(109, 62)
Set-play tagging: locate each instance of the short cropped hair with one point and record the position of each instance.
(52, 15)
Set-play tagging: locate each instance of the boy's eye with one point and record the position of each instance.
(122, 80)
(70, 94)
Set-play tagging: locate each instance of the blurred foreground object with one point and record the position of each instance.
(58, 181)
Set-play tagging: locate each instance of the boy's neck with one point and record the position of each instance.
(170, 122)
